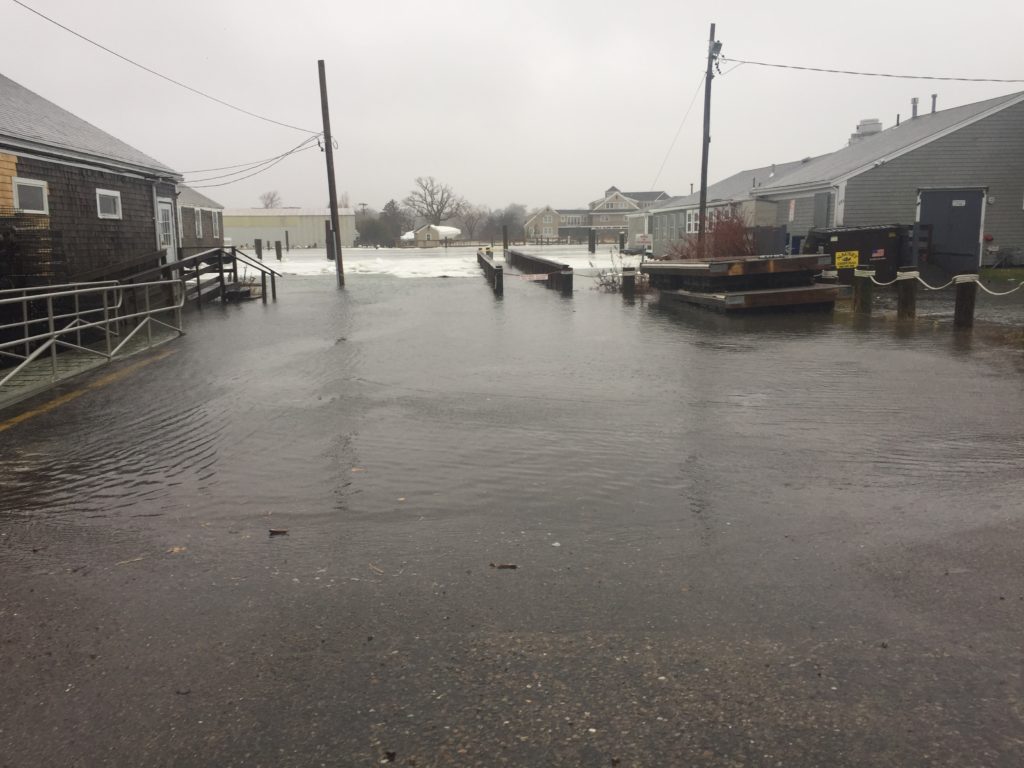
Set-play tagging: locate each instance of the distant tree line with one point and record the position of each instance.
(432, 202)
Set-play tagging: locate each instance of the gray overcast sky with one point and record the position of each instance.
(535, 102)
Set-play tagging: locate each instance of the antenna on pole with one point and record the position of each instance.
(714, 48)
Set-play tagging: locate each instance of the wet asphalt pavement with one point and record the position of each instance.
(774, 541)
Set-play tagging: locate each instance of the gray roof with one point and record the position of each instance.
(892, 141)
(189, 198)
(28, 121)
(644, 195)
(738, 186)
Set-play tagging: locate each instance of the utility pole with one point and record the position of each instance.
(713, 49)
(331, 186)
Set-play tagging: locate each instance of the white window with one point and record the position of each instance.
(692, 221)
(548, 231)
(215, 217)
(604, 217)
(547, 219)
(108, 204)
(31, 196)
(199, 224)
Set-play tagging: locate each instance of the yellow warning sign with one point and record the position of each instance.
(847, 259)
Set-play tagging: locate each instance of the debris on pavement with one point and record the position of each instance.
(504, 566)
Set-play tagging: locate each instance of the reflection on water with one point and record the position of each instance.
(415, 400)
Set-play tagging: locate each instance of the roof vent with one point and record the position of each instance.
(867, 127)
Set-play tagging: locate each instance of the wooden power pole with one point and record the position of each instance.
(332, 188)
(713, 49)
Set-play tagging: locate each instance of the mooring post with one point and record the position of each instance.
(259, 248)
(287, 244)
(966, 294)
(906, 293)
(566, 281)
(277, 249)
(234, 264)
(862, 291)
(273, 286)
(628, 282)
(499, 280)
(504, 239)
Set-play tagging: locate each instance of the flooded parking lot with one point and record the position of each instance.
(774, 540)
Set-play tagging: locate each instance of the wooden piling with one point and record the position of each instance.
(628, 282)
(504, 238)
(258, 243)
(566, 281)
(592, 241)
(277, 249)
(499, 281)
(220, 275)
(966, 295)
(906, 293)
(862, 291)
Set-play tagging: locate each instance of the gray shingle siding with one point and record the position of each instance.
(989, 153)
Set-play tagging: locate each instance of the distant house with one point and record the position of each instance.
(295, 227)
(607, 216)
(202, 225)
(433, 235)
(959, 171)
(75, 202)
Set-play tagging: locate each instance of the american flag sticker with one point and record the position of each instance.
(878, 253)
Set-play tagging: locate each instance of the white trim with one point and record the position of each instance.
(215, 225)
(198, 217)
(839, 208)
(16, 180)
(81, 160)
(109, 193)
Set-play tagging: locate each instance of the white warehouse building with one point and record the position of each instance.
(294, 227)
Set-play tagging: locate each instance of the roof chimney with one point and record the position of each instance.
(867, 127)
(913, 107)
(897, 118)
(934, 97)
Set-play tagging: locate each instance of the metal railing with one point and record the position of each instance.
(67, 317)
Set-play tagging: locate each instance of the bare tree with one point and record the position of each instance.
(271, 199)
(434, 201)
(344, 201)
(472, 217)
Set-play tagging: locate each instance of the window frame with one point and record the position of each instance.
(199, 223)
(215, 222)
(45, 186)
(116, 194)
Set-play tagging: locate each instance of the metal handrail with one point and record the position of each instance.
(52, 339)
(24, 291)
(256, 263)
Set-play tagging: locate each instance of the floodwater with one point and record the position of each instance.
(776, 540)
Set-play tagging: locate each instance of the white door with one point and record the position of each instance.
(166, 236)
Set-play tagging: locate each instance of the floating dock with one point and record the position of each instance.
(745, 283)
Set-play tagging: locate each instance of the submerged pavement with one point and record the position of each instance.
(789, 540)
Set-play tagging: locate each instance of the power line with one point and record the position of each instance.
(251, 163)
(266, 167)
(164, 77)
(304, 145)
(679, 130)
(875, 74)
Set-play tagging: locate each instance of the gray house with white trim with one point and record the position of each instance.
(959, 170)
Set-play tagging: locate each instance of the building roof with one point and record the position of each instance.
(644, 196)
(892, 142)
(324, 212)
(189, 198)
(441, 230)
(737, 187)
(30, 122)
